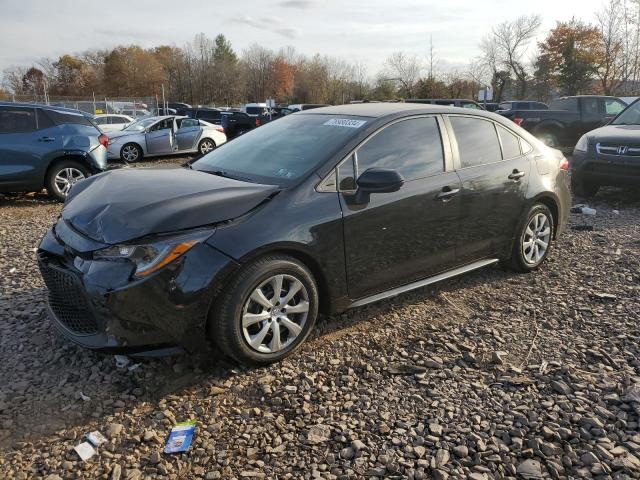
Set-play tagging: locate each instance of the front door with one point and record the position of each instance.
(160, 137)
(397, 238)
(494, 174)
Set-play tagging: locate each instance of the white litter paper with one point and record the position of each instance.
(85, 451)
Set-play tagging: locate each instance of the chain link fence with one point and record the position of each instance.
(132, 106)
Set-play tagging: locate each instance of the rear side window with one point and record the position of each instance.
(569, 104)
(17, 120)
(477, 141)
(590, 105)
(44, 121)
(613, 107)
(510, 143)
(412, 147)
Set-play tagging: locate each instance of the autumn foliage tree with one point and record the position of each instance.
(571, 55)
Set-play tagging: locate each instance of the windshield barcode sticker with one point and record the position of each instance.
(345, 122)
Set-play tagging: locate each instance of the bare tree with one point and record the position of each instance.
(505, 49)
(405, 69)
(611, 23)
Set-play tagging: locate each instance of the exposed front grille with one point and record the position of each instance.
(618, 150)
(67, 300)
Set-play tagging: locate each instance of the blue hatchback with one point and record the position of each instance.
(47, 147)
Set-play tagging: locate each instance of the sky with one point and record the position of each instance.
(357, 30)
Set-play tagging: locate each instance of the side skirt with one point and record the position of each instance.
(421, 283)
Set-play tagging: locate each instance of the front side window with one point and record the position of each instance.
(17, 120)
(412, 147)
(510, 143)
(477, 141)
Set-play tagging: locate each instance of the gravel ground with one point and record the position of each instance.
(490, 375)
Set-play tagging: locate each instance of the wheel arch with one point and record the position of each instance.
(299, 253)
(74, 156)
(549, 200)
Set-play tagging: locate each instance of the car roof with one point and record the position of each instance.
(378, 110)
(40, 105)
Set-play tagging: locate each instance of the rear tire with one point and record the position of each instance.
(581, 188)
(249, 314)
(205, 146)
(130, 152)
(62, 176)
(533, 240)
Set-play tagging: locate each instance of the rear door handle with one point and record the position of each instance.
(47, 139)
(516, 175)
(447, 193)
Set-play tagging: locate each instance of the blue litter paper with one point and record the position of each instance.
(180, 437)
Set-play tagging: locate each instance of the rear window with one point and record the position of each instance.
(255, 110)
(477, 141)
(68, 118)
(569, 104)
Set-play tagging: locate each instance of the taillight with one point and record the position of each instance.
(518, 121)
(104, 140)
(564, 163)
(258, 123)
(220, 129)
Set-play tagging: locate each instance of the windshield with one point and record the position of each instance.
(284, 150)
(629, 116)
(140, 125)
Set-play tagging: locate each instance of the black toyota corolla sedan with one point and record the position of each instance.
(320, 211)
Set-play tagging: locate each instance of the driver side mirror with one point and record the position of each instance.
(377, 180)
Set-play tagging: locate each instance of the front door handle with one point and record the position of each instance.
(447, 193)
(47, 139)
(516, 175)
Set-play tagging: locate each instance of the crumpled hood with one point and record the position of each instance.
(126, 204)
(622, 134)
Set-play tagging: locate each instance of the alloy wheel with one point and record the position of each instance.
(536, 238)
(129, 153)
(206, 146)
(275, 313)
(67, 178)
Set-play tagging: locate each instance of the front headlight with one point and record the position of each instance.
(582, 145)
(151, 257)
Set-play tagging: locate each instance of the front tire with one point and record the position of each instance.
(64, 175)
(533, 240)
(130, 153)
(266, 312)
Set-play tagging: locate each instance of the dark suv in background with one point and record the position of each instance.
(50, 147)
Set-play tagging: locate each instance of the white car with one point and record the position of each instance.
(166, 135)
(111, 122)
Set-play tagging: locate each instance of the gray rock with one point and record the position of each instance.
(530, 469)
(560, 387)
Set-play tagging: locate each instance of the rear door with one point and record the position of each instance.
(188, 133)
(494, 173)
(396, 238)
(27, 138)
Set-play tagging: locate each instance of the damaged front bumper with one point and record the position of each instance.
(100, 305)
